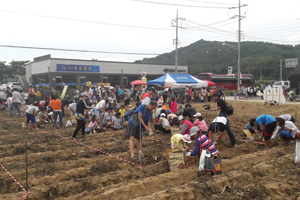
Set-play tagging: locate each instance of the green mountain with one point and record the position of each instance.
(212, 56)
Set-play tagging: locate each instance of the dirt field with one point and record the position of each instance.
(61, 169)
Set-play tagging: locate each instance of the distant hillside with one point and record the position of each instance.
(212, 56)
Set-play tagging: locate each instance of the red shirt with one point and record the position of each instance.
(146, 94)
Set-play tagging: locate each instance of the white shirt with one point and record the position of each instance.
(26, 95)
(146, 101)
(286, 117)
(32, 109)
(164, 122)
(101, 104)
(288, 124)
(223, 120)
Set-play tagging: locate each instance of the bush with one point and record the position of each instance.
(230, 92)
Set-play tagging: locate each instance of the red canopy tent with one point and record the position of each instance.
(210, 83)
(138, 82)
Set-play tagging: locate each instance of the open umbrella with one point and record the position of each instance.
(210, 83)
(138, 82)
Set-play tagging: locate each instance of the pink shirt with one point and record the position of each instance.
(92, 124)
(174, 107)
(201, 124)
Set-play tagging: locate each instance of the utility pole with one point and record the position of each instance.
(176, 43)
(280, 69)
(239, 47)
(239, 41)
(176, 40)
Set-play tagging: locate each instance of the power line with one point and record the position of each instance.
(211, 2)
(86, 21)
(274, 28)
(272, 19)
(182, 5)
(77, 50)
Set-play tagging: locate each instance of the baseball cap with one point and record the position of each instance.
(162, 114)
(110, 99)
(180, 117)
(151, 89)
(198, 115)
(186, 138)
(194, 130)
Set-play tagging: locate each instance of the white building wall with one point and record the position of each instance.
(112, 67)
(40, 67)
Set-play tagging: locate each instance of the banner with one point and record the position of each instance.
(88, 83)
(77, 68)
(105, 84)
(64, 92)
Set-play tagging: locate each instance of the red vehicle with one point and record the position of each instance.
(228, 81)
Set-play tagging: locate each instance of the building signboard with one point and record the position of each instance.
(77, 68)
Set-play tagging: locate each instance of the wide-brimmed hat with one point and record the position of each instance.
(186, 138)
(193, 131)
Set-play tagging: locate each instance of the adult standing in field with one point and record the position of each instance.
(170, 97)
(46, 95)
(32, 93)
(221, 124)
(53, 92)
(64, 103)
(16, 102)
(79, 116)
(204, 94)
(89, 93)
(144, 116)
(127, 95)
(38, 94)
(268, 124)
(146, 98)
(56, 105)
(221, 105)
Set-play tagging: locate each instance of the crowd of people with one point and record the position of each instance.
(95, 109)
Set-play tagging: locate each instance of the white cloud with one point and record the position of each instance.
(294, 38)
(288, 33)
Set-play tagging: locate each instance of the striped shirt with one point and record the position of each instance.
(205, 144)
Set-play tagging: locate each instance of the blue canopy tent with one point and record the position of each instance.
(178, 81)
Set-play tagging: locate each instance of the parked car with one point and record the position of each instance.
(284, 84)
(13, 85)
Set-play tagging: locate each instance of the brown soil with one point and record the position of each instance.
(60, 169)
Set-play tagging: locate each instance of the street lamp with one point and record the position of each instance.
(239, 62)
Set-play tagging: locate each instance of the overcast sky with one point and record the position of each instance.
(24, 23)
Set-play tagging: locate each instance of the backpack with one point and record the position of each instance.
(134, 117)
(128, 114)
(230, 110)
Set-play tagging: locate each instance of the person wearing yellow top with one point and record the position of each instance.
(122, 111)
(38, 94)
(179, 141)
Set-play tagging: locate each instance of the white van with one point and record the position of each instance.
(284, 84)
